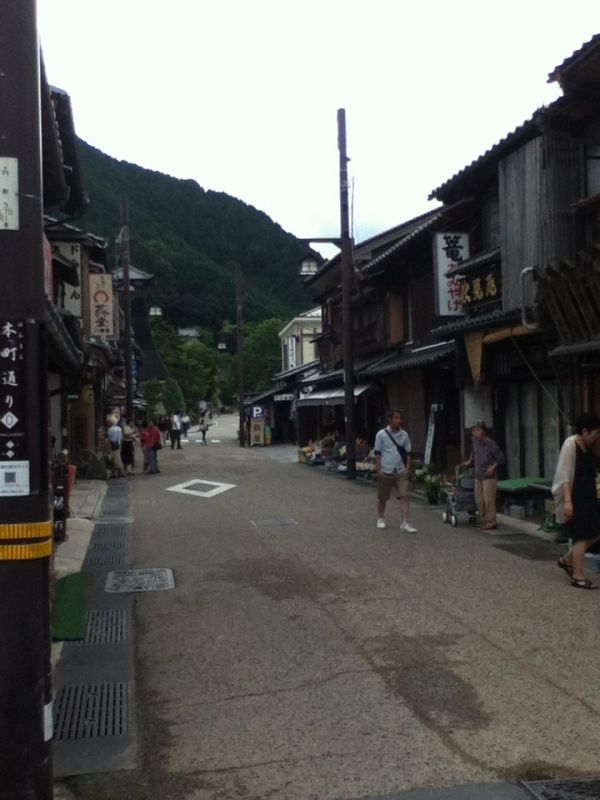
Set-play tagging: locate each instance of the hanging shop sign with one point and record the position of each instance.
(72, 252)
(450, 249)
(14, 466)
(480, 288)
(101, 306)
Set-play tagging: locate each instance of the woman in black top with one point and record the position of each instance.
(577, 495)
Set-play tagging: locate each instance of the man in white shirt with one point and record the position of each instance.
(392, 462)
(175, 434)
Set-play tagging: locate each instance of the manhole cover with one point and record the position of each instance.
(104, 627)
(272, 523)
(90, 710)
(571, 789)
(139, 580)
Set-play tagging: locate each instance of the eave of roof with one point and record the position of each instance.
(411, 358)
(479, 260)
(475, 322)
(576, 55)
(380, 240)
(527, 130)
(297, 370)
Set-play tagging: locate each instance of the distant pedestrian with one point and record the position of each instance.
(163, 427)
(175, 431)
(204, 426)
(485, 458)
(145, 444)
(152, 444)
(185, 424)
(128, 447)
(574, 490)
(392, 463)
(114, 436)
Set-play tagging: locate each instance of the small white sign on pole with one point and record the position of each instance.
(14, 478)
(9, 194)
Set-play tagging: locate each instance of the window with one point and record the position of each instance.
(592, 162)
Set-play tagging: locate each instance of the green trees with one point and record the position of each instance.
(202, 372)
(262, 354)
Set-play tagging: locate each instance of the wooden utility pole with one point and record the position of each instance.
(127, 342)
(347, 267)
(25, 518)
(240, 355)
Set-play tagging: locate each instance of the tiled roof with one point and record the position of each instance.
(474, 322)
(412, 357)
(526, 130)
(360, 365)
(555, 74)
(479, 260)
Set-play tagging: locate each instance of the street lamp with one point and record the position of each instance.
(155, 311)
(309, 265)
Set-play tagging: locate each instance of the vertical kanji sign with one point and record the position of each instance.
(450, 249)
(14, 464)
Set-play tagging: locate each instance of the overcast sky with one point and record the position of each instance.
(242, 95)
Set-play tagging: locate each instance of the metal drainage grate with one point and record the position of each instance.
(108, 546)
(111, 530)
(106, 561)
(104, 627)
(91, 710)
(273, 523)
(139, 580)
(571, 789)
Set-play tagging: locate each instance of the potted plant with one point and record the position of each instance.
(432, 488)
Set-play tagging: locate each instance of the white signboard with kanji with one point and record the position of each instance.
(101, 306)
(449, 250)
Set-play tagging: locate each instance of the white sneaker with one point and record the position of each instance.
(381, 524)
(407, 528)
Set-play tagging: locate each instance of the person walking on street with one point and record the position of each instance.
(175, 432)
(163, 427)
(574, 490)
(204, 425)
(128, 447)
(392, 464)
(155, 446)
(145, 444)
(114, 435)
(485, 458)
(185, 424)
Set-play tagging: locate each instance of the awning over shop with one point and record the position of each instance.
(332, 397)
(409, 359)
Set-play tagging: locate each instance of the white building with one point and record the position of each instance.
(297, 345)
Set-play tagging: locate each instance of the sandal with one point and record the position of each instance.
(563, 565)
(582, 583)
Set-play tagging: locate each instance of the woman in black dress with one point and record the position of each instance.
(574, 490)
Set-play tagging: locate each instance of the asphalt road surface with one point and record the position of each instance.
(305, 654)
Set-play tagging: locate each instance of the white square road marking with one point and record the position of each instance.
(218, 488)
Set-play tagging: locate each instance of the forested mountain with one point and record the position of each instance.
(191, 239)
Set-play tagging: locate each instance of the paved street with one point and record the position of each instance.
(304, 654)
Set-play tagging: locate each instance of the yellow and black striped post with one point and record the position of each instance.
(25, 526)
